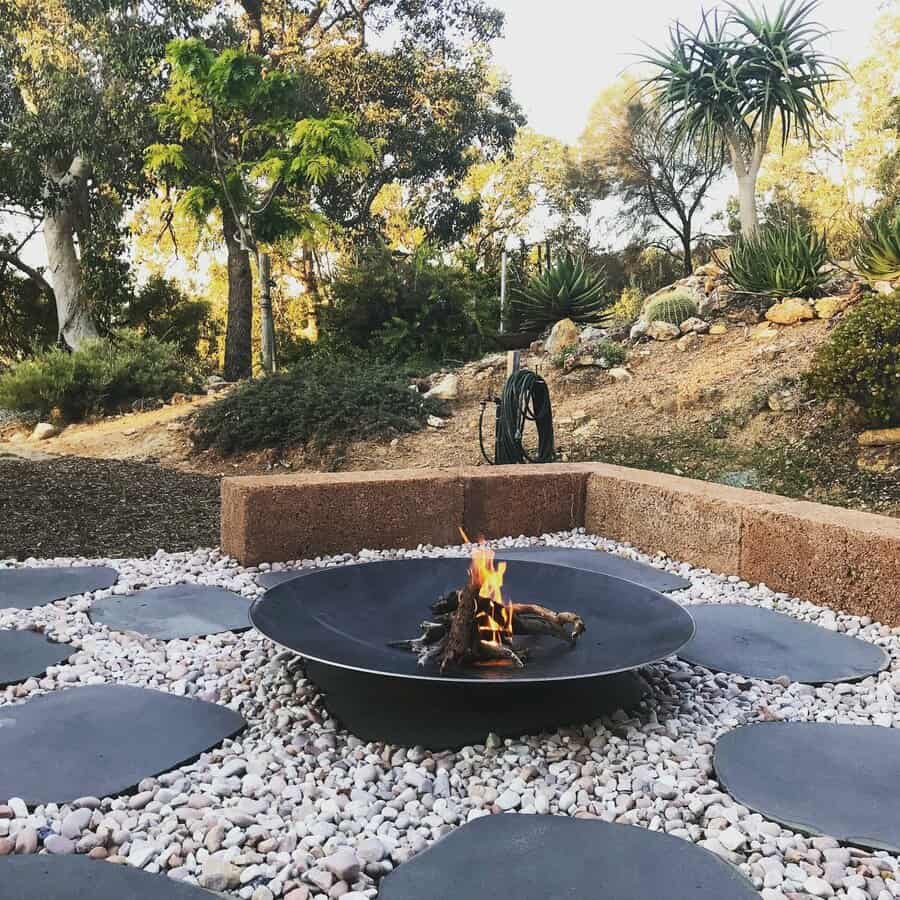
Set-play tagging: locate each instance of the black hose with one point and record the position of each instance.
(526, 398)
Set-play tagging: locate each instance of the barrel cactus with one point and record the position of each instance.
(674, 308)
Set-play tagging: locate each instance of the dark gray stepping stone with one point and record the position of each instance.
(175, 611)
(78, 878)
(101, 740)
(26, 653)
(25, 588)
(589, 560)
(541, 857)
(837, 780)
(759, 643)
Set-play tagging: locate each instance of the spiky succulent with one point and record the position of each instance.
(674, 308)
(878, 253)
(784, 260)
(568, 290)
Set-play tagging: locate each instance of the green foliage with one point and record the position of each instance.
(878, 254)
(160, 309)
(103, 376)
(674, 308)
(784, 260)
(608, 353)
(568, 290)
(27, 317)
(861, 361)
(403, 308)
(322, 401)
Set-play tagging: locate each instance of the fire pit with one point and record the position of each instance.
(349, 623)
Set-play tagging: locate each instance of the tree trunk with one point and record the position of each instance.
(686, 240)
(75, 323)
(747, 200)
(239, 328)
(253, 11)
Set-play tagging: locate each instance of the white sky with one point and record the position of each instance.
(562, 53)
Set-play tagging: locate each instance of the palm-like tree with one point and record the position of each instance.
(728, 84)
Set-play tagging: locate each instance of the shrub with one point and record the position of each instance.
(27, 317)
(411, 307)
(780, 259)
(103, 375)
(567, 290)
(861, 361)
(324, 400)
(628, 307)
(878, 253)
(675, 307)
(609, 353)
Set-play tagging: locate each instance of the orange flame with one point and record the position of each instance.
(494, 617)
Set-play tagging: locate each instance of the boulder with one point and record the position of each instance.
(620, 374)
(709, 270)
(592, 334)
(829, 307)
(764, 332)
(718, 328)
(446, 389)
(690, 341)
(44, 431)
(883, 287)
(564, 334)
(790, 311)
(638, 330)
(783, 401)
(881, 437)
(694, 326)
(436, 422)
(663, 331)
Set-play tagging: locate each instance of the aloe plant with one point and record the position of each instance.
(878, 254)
(568, 290)
(784, 260)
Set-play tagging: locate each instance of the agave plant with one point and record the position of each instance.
(878, 254)
(784, 260)
(567, 290)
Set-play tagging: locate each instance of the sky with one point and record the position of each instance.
(561, 53)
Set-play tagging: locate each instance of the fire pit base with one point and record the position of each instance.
(445, 715)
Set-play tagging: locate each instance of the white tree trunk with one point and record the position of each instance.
(64, 272)
(747, 201)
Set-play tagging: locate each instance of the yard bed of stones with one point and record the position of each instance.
(296, 807)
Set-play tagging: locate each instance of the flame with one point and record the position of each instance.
(494, 617)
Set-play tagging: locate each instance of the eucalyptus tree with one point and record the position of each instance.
(78, 81)
(249, 143)
(740, 75)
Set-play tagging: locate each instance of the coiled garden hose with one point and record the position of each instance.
(526, 398)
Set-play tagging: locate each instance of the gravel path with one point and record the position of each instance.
(297, 808)
(70, 505)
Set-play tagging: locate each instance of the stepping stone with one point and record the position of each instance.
(101, 740)
(175, 611)
(24, 654)
(26, 588)
(75, 877)
(759, 643)
(590, 560)
(837, 780)
(540, 857)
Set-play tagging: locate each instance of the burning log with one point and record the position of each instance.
(474, 626)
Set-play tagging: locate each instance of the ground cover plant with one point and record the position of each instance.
(878, 253)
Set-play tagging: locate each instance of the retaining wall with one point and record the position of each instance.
(848, 560)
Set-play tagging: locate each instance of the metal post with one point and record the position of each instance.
(513, 362)
(265, 308)
(503, 261)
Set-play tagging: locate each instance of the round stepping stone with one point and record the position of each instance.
(24, 654)
(759, 643)
(101, 740)
(76, 877)
(175, 611)
(837, 780)
(26, 588)
(538, 857)
(589, 560)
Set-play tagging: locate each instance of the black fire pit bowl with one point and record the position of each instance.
(342, 619)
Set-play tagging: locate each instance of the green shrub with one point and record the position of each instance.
(102, 376)
(567, 290)
(780, 259)
(324, 400)
(878, 254)
(674, 308)
(628, 307)
(418, 307)
(861, 361)
(609, 353)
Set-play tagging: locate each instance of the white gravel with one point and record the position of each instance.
(297, 808)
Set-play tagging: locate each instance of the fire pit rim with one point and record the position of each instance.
(517, 677)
